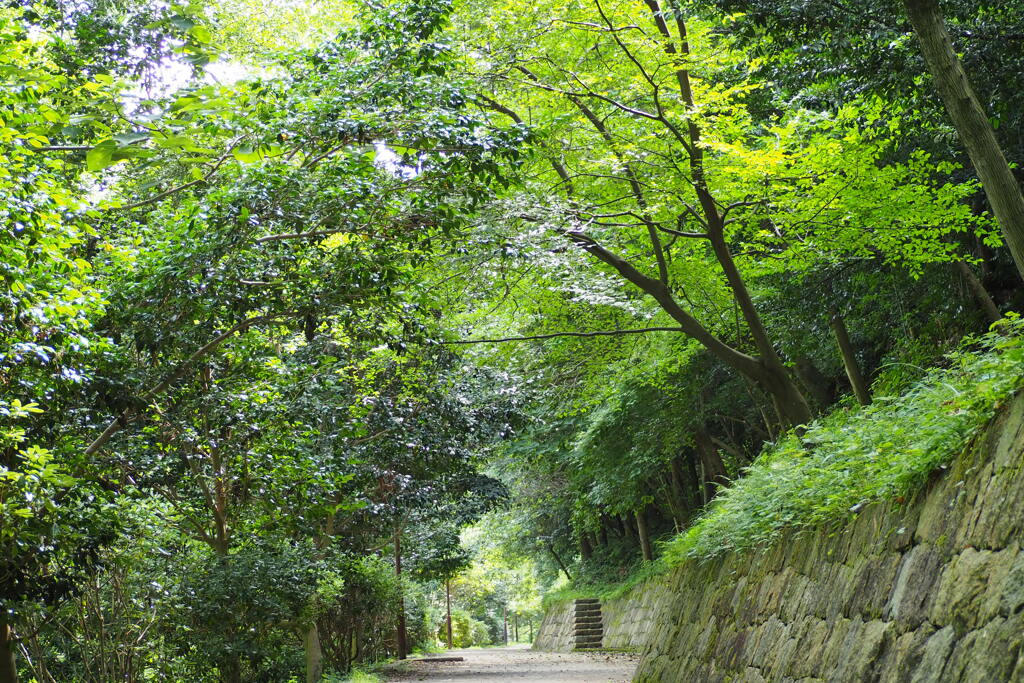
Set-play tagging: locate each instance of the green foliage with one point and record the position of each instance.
(239, 242)
(234, 611)
(854, 457)
(466, 631)
(360, 595)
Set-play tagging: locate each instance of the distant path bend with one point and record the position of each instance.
(519, 663)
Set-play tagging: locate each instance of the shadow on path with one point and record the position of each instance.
(519, 663)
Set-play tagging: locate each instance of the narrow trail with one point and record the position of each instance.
(519, 663)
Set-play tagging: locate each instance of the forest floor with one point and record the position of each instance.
(519, 663)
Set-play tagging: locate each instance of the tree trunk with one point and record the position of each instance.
(628, 531)
(860, 387)
(8, 664)
(701, 492)
(586, 552)
(504, 622)
(602, 534)
(232, 672)
(515, 626)
(981, 295)
(711, 462)
(401, 641)
(971, 123)
(642, 532)
(448, 615)
(818, 386)
(558, 561)
(314, 655)
(680, 499)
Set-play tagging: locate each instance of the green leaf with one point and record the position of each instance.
(125, 139)
(247, 154)
(100, 156)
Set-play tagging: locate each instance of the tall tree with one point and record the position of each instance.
(972, 123)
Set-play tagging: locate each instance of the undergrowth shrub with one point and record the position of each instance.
(858, 455)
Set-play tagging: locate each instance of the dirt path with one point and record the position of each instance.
(518, 663)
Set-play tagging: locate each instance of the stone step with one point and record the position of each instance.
(596, 619)
(587, 609)
(581, 632)
(590, 642)
(588, 601)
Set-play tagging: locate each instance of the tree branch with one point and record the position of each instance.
(185, 186)
(61, 148)
(553, 335)
(555, 163)
(130, 414)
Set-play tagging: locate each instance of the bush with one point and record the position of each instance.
(235, 611)
(357, 611)
(479, 633)
(855, 456)
(466, 631)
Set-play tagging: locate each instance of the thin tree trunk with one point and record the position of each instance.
(401, 639)
(558, 561)
(981, 295)
(643, 533)
(691, 465)
(515, 626)
(971, 123)
(8, 664)
(711, 462)
(772, 374)
(860, 386)
(448, 606)
(504, 622)
(681, 501)
(314, 655)
(628, 530)
(586, 552)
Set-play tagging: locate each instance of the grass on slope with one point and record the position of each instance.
(852, 457)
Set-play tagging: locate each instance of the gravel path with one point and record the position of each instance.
(519, 663)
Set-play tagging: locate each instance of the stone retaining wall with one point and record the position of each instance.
(928, 590)
(555, 633)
